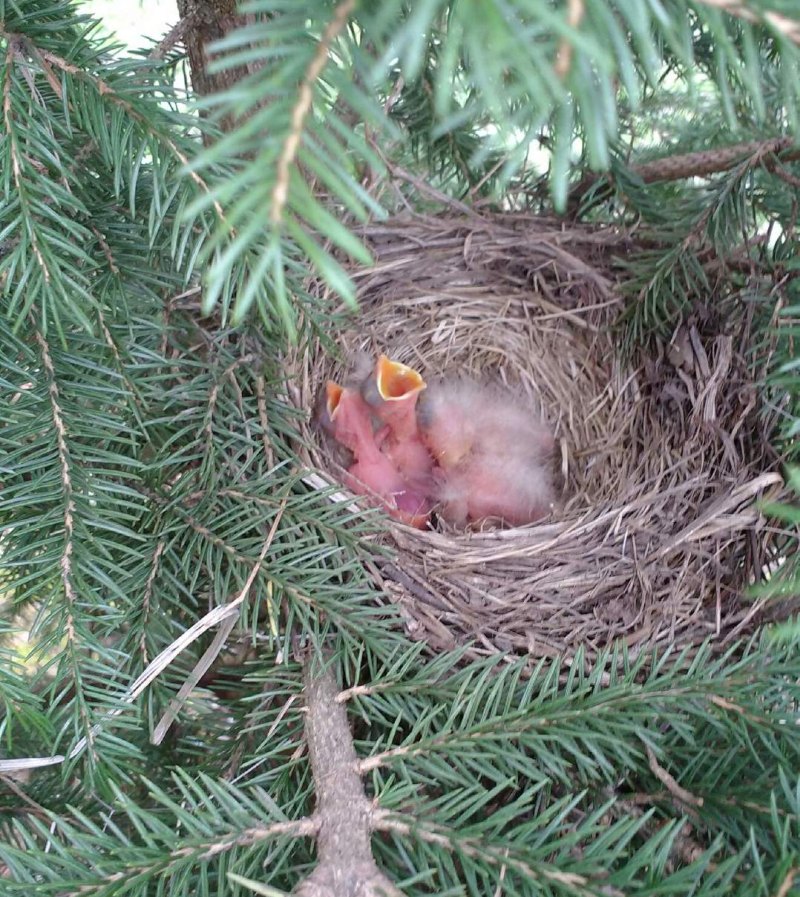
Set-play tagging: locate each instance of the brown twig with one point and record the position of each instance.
(669, 782)
(8, 780)
(575, 13)
(173, 37)
(113, 267)
(788, 881)
(786, 27)
(700, 164)
(280, 192)
(685, 847)
(344, 814)
(780, 171)
(66, 483)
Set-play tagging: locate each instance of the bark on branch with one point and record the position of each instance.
(675, 168)
(768, 153)
(344, 814)
(202, 22)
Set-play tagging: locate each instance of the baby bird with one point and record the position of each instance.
(513, 489)
(391, 392)
(493, 453)
(459, 417)
(347, 416)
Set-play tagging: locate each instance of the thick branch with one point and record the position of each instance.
(344, 814)
(700, 164)
(786, 27)
(688, 165)
(202, 23)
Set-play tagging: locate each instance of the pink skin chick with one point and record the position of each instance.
(517, 491)
(448, 421)
(373, 473)
(392, 394)
(493, 453)
(458, 418)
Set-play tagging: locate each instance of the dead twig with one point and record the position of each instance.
(669, 782)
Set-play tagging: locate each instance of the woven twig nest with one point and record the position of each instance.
(662, 457)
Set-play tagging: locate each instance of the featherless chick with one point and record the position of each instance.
(492, 450)
(347, 417)
(391, 391)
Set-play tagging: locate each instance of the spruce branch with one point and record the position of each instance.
(110, 884)
(13, 52)
(475, 847)
(211, 653)
(305, 97)
(223, 615)
(344, 816)
(697, 250)
(263, 419)
(147, 597)
(111, 342)
(66, 485)
(112, 265)
(106, 90)
(786, 27)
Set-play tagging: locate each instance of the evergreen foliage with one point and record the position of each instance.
(148, 479)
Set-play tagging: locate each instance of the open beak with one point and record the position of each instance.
(333, 394)
(397, 381)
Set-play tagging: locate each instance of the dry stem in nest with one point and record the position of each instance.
(662, 456)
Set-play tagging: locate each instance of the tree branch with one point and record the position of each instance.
(669, 782)
(344, 814)
(471, 846)
(280, 193)
(699, 164)
(786, 27)
(65, 463)
(176, 35)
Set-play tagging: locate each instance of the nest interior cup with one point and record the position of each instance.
(661, 456)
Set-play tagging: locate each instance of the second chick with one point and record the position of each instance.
(493, 452)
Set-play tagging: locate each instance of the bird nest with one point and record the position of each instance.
(661, 454)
